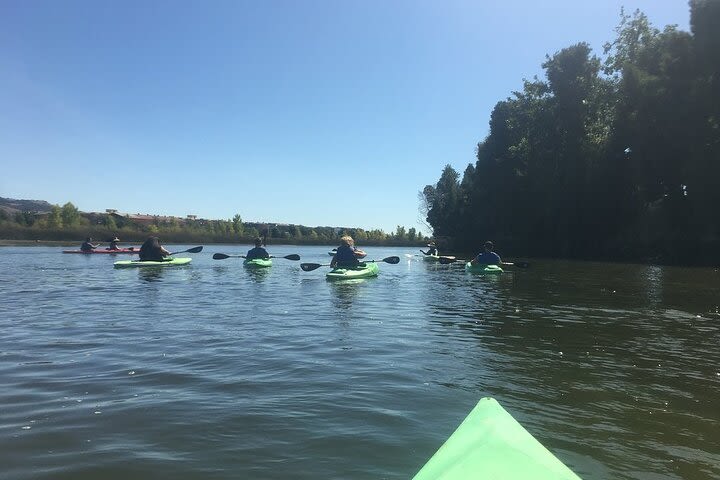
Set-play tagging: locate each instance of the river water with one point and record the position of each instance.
(216, 372)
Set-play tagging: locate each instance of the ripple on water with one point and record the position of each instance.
(213, 371)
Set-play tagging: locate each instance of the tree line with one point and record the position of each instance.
(614, 157)
(68, 223)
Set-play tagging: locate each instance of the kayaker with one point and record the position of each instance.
(258, 251)
(488, 257)
(152, 251)
(114, 244)
(347, 255)
(432, 249)
(88, 246)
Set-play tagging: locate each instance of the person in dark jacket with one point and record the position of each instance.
(432, 249)
(488, 257)
(88, 246)
(152, 251)
(114, 244)
(347, 255)
(258, 251)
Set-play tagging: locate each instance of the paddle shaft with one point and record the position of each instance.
(222, 256)
(309, 267)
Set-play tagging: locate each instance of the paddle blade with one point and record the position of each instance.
(189, 250)
(392, 260)
(309, 267)
(220, 256)
(293, 256)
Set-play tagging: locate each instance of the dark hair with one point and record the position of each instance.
(152, 242)
(258, 242)
(489, 244)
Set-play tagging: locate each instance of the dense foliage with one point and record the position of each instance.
(609, 158)
(67, 223)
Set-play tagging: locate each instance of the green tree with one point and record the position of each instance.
(54, 218)
(110, 223)
(69, 214)
(237, 224)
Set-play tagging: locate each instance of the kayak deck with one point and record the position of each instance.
(167, 263)
(258, 263)
(370, 269)
(491, 444)
(483, 269)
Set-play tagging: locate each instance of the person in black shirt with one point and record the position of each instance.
(88, 246)
(258, 251)
(152, 251)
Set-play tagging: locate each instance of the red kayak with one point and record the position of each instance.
(111, 252)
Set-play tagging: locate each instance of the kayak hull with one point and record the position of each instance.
(108, 252)
(258, 263)
(491, 444)
(137, 263)
(483, 269)
(431, 258)
(370, 269)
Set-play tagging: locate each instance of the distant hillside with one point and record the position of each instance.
(12, 205)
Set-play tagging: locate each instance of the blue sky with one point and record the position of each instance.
(311, 112)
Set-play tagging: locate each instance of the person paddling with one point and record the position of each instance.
(432, 250)
(488, 257)
(347, 255)
(152, 251)
(114, 244)
(258, 251)
(88, 246)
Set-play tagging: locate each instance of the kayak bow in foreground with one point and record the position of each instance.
(491, 445)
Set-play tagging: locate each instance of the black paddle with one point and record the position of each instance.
(446, 260)
(309, 267)
(222, 256)
(189, 250)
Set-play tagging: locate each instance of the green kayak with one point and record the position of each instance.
(370, 269)
(258, 263)
(431, 258)
(483, 269)
(171, 262)
(491, 445)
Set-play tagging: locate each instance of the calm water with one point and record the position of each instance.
(212, 371)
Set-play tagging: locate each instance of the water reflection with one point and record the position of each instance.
(151, 274)
(613, 367)
(257, 275)
(344, 292)
(653, 281)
